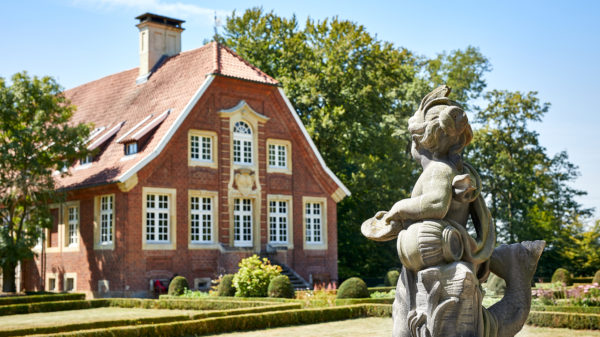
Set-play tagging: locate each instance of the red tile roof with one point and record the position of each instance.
(117, 98)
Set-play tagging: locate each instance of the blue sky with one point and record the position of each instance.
(548, 46)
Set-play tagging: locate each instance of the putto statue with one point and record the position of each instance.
(439, 292)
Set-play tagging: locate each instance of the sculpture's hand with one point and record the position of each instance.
(392, 215)
(380, 215)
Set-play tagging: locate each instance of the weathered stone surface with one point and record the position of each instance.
(439, 291)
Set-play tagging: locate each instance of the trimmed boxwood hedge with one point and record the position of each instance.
(91, 325)
(242, 322)
(564, 320)
(144, 321)
(16, 309)
(380, 289)
(41, 298)
(564, 308)
(349, 301)
(184, 304)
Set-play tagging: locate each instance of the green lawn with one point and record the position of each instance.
(82, 316)
(375, 326)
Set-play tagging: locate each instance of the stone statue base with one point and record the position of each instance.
(446, 300)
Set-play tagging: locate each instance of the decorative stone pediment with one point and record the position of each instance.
(245, 111)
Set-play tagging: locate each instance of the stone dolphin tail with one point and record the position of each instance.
(516, 264)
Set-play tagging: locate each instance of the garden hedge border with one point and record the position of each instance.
(181, 304)
(41, 298)
(381, 289)
(566, 309)
(16, 309)
(144, 321)
(243, 322)
(350, 301)
(576, 321)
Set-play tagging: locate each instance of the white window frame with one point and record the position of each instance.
(314, 238)
(131, 148)
(243, 147)
(212, 213)
(243, 222)
(73, 225)
(279, 156)
(167, 213)
(51, 276)
(107, 205)
(157, 212)
(200, 143)
(86, 161)
(279, 221)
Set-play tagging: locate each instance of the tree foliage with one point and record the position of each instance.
(527, 191)
(36, 143)
(355, 93)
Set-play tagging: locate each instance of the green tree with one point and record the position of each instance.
(354, 93)
(528, 192)
(36, 143)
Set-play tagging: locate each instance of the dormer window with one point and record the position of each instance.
(242, 144)
(131, 148)
(87, 160)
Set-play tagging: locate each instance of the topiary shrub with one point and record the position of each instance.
(281, 287)
(253, 277)
(596, 277)
(353, 287)
(563, 276)
(391, 278)
(495, 284)
(226, 287)
(178, 286)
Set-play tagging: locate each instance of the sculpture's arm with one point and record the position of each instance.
(433, 203)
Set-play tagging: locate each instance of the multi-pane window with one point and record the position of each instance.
(157, 218)
(73, 221)
(69, 284)
(314, 222)
(201, 148)
(106, 219)
(52, 284)
(201, 219)
(131, 148)
(87, 160)
(278, 221)
(277, 156)
(242, 143)
(242, 222)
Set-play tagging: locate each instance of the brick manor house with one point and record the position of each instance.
(199, 160)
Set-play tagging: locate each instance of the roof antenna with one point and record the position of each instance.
(217, 24)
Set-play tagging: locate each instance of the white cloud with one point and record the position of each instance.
(179, 10)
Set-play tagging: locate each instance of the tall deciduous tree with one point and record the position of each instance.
(354, 93)
(528, 192)
(36, 143)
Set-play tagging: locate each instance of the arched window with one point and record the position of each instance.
(242, 143)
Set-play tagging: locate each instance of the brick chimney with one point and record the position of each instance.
(160, 37)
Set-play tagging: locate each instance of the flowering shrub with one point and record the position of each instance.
(253, 277)
(584, 295)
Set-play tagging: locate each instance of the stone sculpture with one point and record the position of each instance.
(439, 293)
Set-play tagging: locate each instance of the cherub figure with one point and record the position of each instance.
(441, 261)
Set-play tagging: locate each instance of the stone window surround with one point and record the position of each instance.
(67, 226)
(290, 218)
(172, 194)
(213, 163)
(97, 223)
(310, 245)
(68, 276)
(50, 276)
(214, 195)
(288, 156)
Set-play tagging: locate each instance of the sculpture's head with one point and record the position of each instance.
(440, 127)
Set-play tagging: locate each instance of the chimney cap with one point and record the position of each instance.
(150, 17)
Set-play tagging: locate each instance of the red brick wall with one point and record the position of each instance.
(129, 268)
